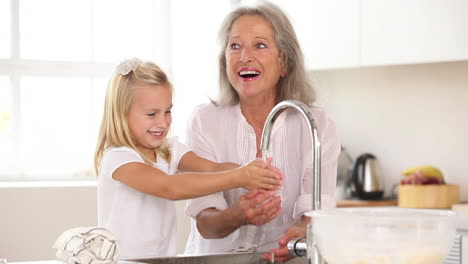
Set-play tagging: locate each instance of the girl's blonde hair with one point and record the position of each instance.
(296, 85)
(114, 131)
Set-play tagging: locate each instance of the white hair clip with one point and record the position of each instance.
(126, 66)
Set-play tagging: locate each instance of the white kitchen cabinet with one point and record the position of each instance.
(327, 31)
(354, 33)
(416, 31)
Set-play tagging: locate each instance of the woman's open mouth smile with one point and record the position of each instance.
(248, 74)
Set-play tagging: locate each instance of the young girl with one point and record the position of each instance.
(136, 164)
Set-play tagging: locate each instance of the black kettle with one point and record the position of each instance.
(367, 178)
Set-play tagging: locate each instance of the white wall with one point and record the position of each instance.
(32, 218)
(406, 115)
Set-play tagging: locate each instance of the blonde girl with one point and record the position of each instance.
(137, 164)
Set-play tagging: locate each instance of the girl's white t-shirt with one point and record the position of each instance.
(144, 225)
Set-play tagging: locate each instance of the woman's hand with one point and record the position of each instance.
(258, 208)
(293, 232)
(251, 208)
(259, 175)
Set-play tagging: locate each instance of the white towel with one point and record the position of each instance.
(87, 245)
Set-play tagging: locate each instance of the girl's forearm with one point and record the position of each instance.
(189, 185)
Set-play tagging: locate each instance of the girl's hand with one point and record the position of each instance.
(259, 175)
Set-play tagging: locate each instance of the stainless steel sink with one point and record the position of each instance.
(237, 258)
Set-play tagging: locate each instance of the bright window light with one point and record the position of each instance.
(4, 29)
(52, 91)
(55, 30)
(6, 129)
(98, 95)
(55, 120)
(194, 53)
(123, 30)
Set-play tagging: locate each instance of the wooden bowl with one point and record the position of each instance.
(432, 196)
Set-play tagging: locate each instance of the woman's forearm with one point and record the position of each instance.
(252, 208)
(225, 166)
(214, 223)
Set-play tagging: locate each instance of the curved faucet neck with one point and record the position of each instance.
(312, 255)
(316, 151)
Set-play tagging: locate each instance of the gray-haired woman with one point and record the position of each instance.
(261, 64)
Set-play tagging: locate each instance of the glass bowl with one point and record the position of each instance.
(383, 235)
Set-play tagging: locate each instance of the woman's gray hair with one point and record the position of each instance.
(296, 85)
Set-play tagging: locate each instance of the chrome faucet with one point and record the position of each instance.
(300, 247)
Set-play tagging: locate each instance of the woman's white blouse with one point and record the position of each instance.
(222, 134)
(144, 225)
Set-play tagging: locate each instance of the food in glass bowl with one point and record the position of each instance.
(383, 235)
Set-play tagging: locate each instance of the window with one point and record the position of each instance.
(4, 29)
(56, 58)
(6, 135)
(55, 61)
(194, 56)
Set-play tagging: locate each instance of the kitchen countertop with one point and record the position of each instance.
(365, 203)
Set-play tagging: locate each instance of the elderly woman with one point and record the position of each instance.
(261, 64)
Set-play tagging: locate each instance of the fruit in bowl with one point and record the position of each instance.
(425, 187)
(422, 175)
